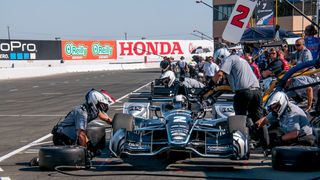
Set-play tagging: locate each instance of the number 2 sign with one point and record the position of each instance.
(238, 20)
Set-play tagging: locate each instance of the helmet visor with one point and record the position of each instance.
(103, 107)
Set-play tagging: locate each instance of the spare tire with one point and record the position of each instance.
(99, 123)
(53, 156)
(303, 158)
(97, 136)
(122, 121)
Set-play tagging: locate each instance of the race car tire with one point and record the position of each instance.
(240, 145)
(52, 156)
(124, 121)
(304, 158)
(98, 122)
(118, 140)
(97, 136)
(238, 122)
(316, 132)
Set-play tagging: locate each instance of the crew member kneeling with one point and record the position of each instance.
(294, 127)
(72, 130)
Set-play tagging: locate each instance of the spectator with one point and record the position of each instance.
(285, 64)
(210, 68)
(285, 50)
(253, 65)
(274, 67)
(305, 93)
(193, 69)
(201, 63)
(183, 66)
(264, 60)
(312, 42)
(302, 54)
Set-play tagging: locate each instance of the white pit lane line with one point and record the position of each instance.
(5, 178)
(38, 141)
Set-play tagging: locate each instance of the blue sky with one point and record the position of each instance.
(104, 19)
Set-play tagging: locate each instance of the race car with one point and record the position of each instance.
(179, 123)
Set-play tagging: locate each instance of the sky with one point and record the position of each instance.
(104, 19)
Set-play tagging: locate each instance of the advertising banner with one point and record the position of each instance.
(155, 50)
(238, 20)
(265, 14)
(30, 50)
(88, 50)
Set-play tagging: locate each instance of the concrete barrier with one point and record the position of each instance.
(25, 69)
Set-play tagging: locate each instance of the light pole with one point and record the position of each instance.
(213, 9)
(203, 35)
(8, 28)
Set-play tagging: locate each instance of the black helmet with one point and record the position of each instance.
(164, 64)
(310, 30)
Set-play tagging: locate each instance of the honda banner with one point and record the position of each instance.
(155, 50)
(88, 50)
(265, 14)
(30, 50)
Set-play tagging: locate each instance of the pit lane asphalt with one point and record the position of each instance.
(30, 107)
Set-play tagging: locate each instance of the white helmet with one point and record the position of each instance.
(221, 54)
(168, 78)
(180, 101)
(278, 97)
(98, 100)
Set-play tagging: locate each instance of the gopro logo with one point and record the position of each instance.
(18, 46)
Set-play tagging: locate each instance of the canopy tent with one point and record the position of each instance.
(264, 34)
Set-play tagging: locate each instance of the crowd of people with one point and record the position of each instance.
(245, 69)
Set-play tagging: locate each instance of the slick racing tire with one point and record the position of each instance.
(239, 131)
(238, 122)
(316, 132)
(122, 121)
(52, 156)
(304, 158)
(97, 136)
(99, 123)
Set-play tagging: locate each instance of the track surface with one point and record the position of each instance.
(30, 107)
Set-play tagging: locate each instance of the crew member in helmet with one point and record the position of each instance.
(243, 81)
(294, 127)
(72, 130)
(167, 78)
(165, 65)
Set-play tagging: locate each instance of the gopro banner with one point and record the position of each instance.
(30, 50)
(265, 14)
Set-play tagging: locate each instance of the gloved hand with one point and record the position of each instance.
(90, 147)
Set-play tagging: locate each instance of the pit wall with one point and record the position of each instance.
(34, 58)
